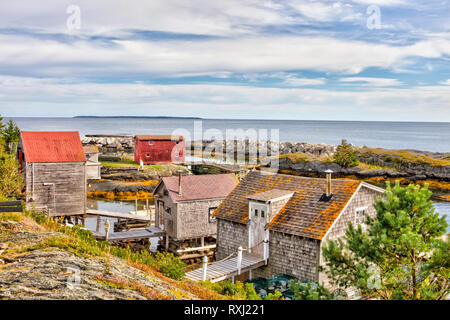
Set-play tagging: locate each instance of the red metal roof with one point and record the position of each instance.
(52, 146)
(196, 187)
(158, 137)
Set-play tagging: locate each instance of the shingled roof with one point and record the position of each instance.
(196, 187)
(303, 215)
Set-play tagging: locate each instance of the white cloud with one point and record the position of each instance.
(447, 82)
(68, 98)
(31, 56)
(370, 81)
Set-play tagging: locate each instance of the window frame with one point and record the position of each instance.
(211, 210)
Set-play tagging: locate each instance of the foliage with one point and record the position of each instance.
(309, 291)
(401, 157)
(401, 255)
(345, 156)
(11, 133)
(274, 296)
(10, 216)
(170, 265)
(11, 182)
(236, 291)
(299, 157)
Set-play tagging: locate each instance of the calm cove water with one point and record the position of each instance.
(426, 136)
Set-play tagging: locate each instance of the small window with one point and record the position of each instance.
(256, 212)
(150, 142)
(262, 213)
(211, 217)
(147, 155)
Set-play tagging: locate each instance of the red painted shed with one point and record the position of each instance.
(153, 149)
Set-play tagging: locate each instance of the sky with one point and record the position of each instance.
(374, 60)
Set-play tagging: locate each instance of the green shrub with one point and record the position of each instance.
(309, 291)
(237, 291)
(170, 265)
(345, 156)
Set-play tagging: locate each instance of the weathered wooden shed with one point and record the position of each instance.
(184, 204)
(54, 166)
(153, 149)
(286, 219)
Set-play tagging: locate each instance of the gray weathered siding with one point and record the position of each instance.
(70, 183)
(230, 235)
(363, 199)
(193, 219)
(190, 219)
(291, 255)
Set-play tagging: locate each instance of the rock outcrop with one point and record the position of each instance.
(53, 273)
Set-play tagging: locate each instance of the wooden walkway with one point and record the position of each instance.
(149, 232)
(226, 269)
(119, 215)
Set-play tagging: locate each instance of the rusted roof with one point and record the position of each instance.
(270, 195)
(159, 137)
(196, 187)
(303, 215)
(52, 146)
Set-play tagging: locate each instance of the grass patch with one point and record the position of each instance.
(401, 157)
(299, 157)
(11, 216)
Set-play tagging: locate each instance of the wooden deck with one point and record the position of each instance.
(119, 215)
(226, 269)
(149, 232)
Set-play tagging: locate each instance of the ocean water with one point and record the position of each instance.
(427, 136)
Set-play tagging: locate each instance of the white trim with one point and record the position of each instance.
(371, 186)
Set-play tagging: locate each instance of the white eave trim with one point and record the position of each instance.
(371, 186)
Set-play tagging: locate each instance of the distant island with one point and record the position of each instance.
(136, 117)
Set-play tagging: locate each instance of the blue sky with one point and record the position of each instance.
(259, 59)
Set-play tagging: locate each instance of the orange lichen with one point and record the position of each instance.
(121, 196)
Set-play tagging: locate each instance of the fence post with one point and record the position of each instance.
(239, 260)
(266, 250)
(205, 267)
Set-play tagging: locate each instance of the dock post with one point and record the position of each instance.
(167, 243)
(202, 243)
(148, 208)
(106, 229)
(97, 227)
(239, 260)
(205, 267)
(136, 206)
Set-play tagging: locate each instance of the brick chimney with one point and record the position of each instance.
(328, 183)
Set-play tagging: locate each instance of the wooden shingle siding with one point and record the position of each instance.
(364, 198)
(230, 235)
(293, 255)
(193, 219)
(70, 185)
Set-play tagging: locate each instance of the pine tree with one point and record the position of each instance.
(401, 256)
(345, 156)
(11, 133)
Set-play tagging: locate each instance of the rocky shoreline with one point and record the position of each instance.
(376, 164)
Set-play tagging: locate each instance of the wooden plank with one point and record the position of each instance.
(11, 209)
(11, 203)
(226, 269)
(117, 215)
